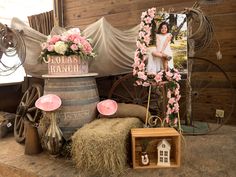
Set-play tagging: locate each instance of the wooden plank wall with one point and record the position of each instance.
(125, 14)
(218, 94)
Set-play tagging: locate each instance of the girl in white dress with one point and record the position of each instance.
(162, 56)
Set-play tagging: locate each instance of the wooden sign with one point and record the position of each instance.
(70, 65)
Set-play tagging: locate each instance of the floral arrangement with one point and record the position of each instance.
(149, 19)
(69, 43)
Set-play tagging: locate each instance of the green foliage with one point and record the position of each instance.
(180, 54)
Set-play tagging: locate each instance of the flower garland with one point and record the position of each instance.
(144, 79)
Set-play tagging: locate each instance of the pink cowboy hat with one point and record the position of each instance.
(48, 102)
(107, 107)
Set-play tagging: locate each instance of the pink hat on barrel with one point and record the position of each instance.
(107, 107)
(49, 102)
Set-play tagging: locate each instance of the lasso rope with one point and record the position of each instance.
(203, 34)
(11, 43)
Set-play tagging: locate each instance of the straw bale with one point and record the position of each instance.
(100, 148)
(6, 123)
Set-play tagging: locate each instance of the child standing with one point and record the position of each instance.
(163, 51)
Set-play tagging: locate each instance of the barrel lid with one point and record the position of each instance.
(49, 102)
(69, 76)
(107, 107)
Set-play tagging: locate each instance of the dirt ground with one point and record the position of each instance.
(202, 156)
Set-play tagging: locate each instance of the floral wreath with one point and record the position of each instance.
(171, 77)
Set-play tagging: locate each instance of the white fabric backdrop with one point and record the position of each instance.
(115, 48)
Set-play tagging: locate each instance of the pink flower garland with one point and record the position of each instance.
(140, 57)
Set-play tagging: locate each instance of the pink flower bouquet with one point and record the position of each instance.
(68, 43)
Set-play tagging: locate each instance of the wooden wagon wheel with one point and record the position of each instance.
(124, 91)
(209, 89)
(27, 111)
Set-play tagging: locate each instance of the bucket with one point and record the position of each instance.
(79, 96)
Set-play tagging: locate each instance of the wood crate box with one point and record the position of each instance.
(153, 137)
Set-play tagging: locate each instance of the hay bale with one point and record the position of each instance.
(6, 123)
(100, 147)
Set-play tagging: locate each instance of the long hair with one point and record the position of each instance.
(160, 26)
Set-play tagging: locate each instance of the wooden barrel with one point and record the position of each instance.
(79, 97)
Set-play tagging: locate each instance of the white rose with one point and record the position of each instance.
(74, 31)
(71, 31)
(60, 47)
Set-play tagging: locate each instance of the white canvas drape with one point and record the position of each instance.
(29, 54)
(115, 48)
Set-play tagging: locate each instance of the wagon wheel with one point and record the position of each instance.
(124, 91)
(208, 89)
(27, 110)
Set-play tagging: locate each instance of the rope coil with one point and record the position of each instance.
(11, 43)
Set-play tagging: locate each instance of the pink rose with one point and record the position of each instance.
(141, 25)
(146, 84)
(167, 120)
(64, 38)
(169, 94)
(136, 59)
(171, 100)
(143, 50)
(141, 34)
(136, 53)
(87, 48)
(141, 75)
(72, 37)
(147, 28)
(146, 39)
(134, 72)
(177, 76)
(176, 91)
(50, 48)
(148, 20)
(176, 107)
(178, 97)
(169, 111)
(138, 82)
(176, 120)
(151, 12)
(143, 15)
(74, 47)
(158, 77)
(54, 39)
(141, 66)
(136, 63)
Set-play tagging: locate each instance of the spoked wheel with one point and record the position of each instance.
(124, 91)
(27, 111)
(208, 89)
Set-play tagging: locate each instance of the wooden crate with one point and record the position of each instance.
(154, 136)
